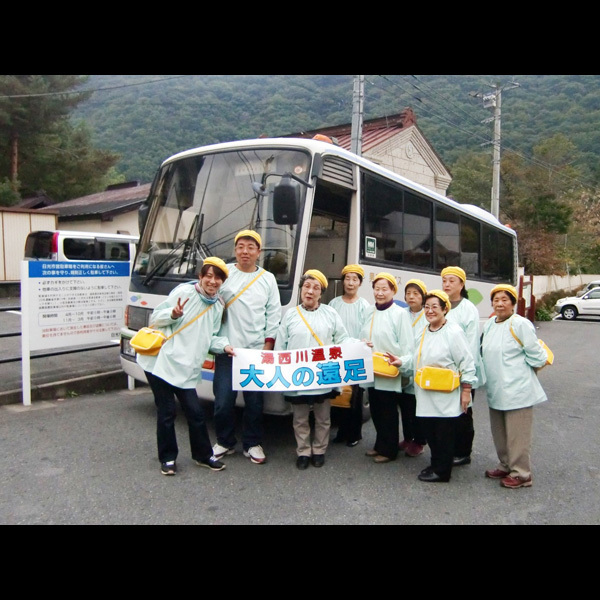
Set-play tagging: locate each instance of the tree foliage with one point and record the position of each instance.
(42, 149)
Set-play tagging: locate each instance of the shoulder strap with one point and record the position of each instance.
(513, 332)
(420, 346)
(240, 293)
(309, 327)
(188, 324)
(415, 321)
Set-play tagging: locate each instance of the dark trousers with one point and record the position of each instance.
(224, 414)
(465, 432)
(166, 411)
(411, 424)
(440, 433)
(350, 419)
(384, 412)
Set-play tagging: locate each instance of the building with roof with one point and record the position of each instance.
(115, 210)
(396, 143)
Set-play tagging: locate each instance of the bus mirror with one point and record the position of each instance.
(142, 216)
(286, 202)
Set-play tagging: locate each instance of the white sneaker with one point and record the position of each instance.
(220, 451)
(255, 454)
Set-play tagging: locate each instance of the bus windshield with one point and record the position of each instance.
(200, 202)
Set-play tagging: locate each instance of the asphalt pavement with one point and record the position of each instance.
(90, 458)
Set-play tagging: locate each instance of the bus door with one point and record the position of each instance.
(327, 248)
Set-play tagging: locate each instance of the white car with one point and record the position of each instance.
(571, 307)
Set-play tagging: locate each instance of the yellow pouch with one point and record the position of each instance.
(436, 379)
(343, 400)
(550, 358)
(382, 367)
(148, 341)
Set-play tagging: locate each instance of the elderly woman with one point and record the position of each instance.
(511, 353)
(414, 441)
(444, 345)
(465, 314)
(192, 312)
(311, 324)
(386, 329)
(351, 307)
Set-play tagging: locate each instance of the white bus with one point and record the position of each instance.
(315, 205)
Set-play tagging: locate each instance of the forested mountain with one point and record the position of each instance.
(146, 118)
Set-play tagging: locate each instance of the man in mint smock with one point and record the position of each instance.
(252, 316)
(511, 353)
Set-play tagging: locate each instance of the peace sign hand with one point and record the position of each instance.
(177, 311)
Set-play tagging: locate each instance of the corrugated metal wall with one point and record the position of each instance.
(15, 225)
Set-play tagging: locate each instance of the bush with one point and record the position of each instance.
(544, 306)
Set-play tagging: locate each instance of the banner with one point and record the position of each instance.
(303, 369)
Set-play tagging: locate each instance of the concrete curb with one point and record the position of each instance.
(88, 384)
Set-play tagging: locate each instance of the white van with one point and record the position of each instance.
(67, 245)
(590, 286)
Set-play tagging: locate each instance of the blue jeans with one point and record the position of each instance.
(166, 411)
(252, 421)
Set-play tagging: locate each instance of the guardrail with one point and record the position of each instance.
(45, 354)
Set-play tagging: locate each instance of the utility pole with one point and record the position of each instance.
(494, 101)
(357, 114)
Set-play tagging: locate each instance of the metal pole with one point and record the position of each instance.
(357, 114)
(496, 160)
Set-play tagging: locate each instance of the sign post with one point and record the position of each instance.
(66, 303)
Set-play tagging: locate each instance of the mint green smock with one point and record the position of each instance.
(418, 322)
(294, 334)
(180, 359)
(256, 314)
(467, 316)
(390, 331)
(447, 348)
(352, 314)
(511, 380)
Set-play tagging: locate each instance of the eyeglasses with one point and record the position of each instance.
(434, 307)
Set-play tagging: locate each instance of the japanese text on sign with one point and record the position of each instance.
(303, 369)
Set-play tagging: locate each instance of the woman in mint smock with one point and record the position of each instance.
(298, 329)
(442, 344)
(352, 308)
(175, 371)
(465, 313)
(511, 353)
(387, 329)
(414, 441)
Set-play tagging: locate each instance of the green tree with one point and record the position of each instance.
(42, 149)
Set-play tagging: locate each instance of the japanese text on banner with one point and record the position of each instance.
(324, 367)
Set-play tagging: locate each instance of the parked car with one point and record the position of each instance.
(590, 286)
(571, 307)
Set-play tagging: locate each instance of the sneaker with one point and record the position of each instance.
(413, 449)
(496, 474)
(515, 482)
(168, 468)
(255, 454)
(213, 463)
(403, 445)
(220, 451)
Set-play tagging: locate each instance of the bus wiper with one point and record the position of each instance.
(150, 276)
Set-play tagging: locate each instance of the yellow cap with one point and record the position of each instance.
(503, 287)
(249, 233)
(389, 277)
(454, 271)
(441, 295)
(216, 262)
(353, 269)
(420, 284)
(318, 276)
